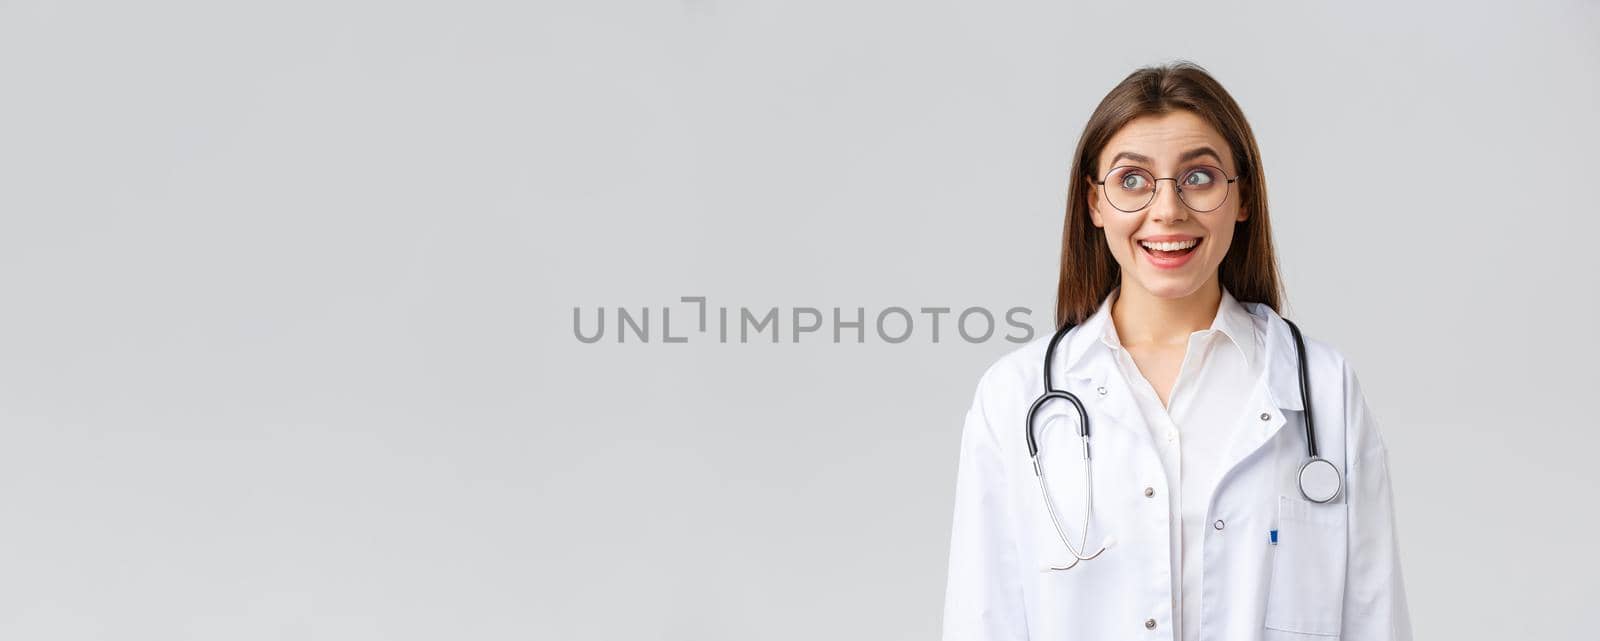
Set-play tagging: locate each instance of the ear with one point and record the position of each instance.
(1092, 193)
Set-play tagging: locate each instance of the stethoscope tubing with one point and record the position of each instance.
(1051, 393)
(1314, 462)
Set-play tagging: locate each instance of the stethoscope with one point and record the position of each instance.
(1320, 479)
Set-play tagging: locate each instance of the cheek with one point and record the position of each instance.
(1119, 237)
(1220, 236)
(1220, 245)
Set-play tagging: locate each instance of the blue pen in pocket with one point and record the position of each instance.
(1274, 534)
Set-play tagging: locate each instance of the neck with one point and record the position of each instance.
(1146, 320)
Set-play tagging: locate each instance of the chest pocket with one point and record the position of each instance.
(1306, 594)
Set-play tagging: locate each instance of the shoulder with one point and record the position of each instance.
(1016, 371)
(1331, 367)
(1330, 364)
(1327, 357)
(1322, 357)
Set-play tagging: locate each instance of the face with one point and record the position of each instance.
(1176, 145)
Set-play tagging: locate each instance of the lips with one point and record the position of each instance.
(1169, 259)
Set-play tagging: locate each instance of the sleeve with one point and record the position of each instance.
(983, 593)
(1375, 606)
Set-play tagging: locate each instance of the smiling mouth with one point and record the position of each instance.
(1170, 253)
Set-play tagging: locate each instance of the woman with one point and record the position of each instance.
(1201, 524)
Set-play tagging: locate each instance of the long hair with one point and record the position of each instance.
(1088, 270)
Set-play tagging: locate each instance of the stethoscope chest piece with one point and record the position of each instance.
(1320, 480)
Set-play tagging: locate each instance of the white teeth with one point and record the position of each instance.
(1172, 246)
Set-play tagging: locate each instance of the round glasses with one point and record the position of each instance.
(1201, 188)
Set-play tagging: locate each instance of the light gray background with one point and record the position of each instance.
(286, 346)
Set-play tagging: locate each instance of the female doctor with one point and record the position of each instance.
(1179, 492)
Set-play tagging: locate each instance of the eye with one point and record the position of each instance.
(1132, 180)
(1201, 178)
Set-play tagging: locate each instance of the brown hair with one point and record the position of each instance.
(1088, 270)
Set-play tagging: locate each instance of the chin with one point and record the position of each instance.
(1173, 287)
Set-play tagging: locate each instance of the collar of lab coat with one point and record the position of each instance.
(1089, 358)
(1232, 320)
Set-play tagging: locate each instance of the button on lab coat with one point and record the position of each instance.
(1334, 572)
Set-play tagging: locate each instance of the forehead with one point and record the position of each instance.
(1163, 137)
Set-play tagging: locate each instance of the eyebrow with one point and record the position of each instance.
(1182, 158)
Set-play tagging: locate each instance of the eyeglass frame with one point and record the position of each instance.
(1175, 185)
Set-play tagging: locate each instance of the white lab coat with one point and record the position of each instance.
(1334, 573)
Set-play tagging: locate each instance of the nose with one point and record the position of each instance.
(1167, 206)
